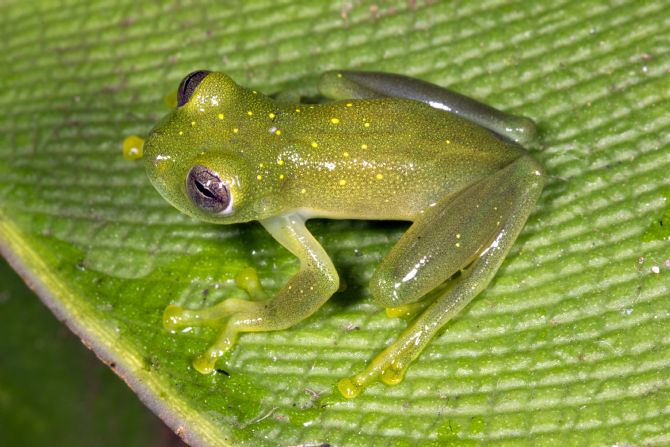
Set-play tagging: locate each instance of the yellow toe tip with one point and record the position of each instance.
(347, 388)
(392, 376)
(204, 364)
(172, 317)
(133, 147)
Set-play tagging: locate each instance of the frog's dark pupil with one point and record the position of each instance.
(203, 190)
(188, 86)
(207, 190)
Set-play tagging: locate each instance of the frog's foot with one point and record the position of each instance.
(175, 317)
(389, 366)
(228, 313)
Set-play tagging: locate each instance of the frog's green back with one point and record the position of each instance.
(382, 158)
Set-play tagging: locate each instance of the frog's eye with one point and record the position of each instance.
(188, 85)
(208, 191)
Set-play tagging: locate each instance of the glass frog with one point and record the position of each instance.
(386, 147)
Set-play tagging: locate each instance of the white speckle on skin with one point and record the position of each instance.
(410, 275)
(656, 269)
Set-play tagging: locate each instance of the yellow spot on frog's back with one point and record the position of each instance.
(250, 113)
(342, 182)
(314, 144)
(367, 124)
(280, 162)
(339, 75)
(192, 123)
(349, 104)
(447, 141)
(277, 132)
(364, 146)
(281, 176)
(345, 154)
(220, 116)
(133, 147)
(297, 110)
(379, 176)
(181, 132)
(335, 120)
(458, 236)
(260, 165)
(271, 115)
(303, 191)
(259, 177)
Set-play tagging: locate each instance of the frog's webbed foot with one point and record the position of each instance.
(300, 297)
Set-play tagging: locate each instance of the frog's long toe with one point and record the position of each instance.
(387, 367)
(206, 361)
(175, 317)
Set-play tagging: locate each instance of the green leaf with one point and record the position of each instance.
(568, 346)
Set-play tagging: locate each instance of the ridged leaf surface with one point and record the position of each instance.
(570, 345)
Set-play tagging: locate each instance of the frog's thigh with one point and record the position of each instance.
(300, 297)
(360, 84)
(488, 216)
(446, 238)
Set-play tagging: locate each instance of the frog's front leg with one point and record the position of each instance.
(345, 84)
(470, 232)
(300, 297)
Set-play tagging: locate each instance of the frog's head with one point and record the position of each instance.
(189, 155)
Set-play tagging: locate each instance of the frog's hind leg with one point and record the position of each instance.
(471, 232)
(300, 297)
(369, 84)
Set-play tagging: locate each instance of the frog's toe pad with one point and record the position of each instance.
(348, 388)
(204, 363)
(173, 317)
(393, 375)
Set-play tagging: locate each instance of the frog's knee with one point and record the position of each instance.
(523, 130)
(385, 290)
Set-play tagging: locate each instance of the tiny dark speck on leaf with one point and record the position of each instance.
(223, 371)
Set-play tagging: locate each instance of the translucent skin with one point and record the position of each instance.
(467, 189)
